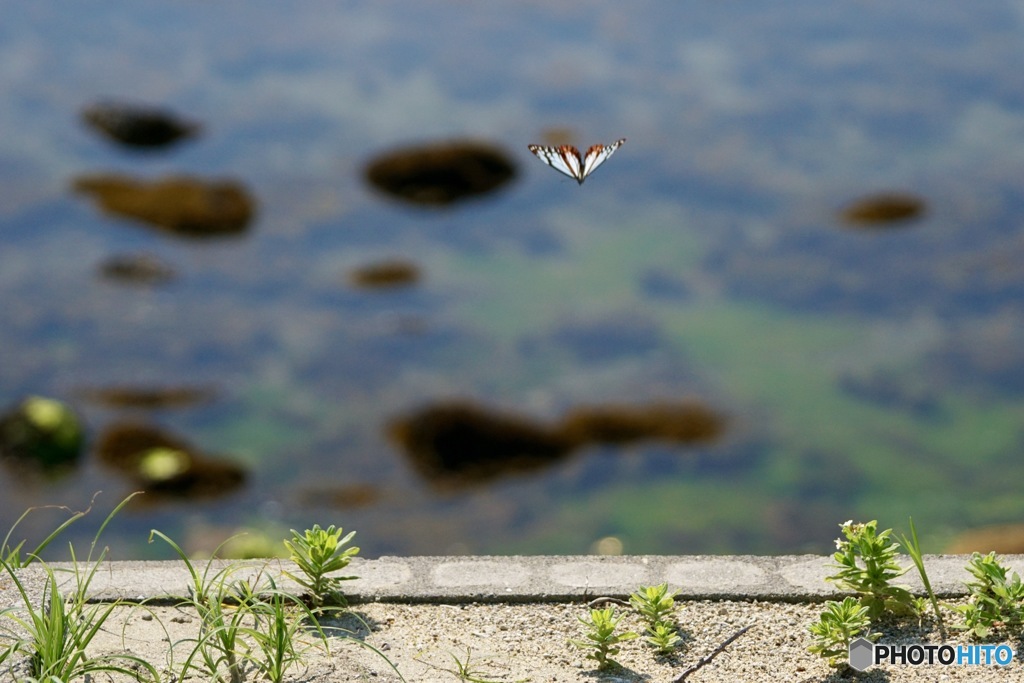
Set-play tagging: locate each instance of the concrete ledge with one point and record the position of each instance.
(523, 579)
(516, 617)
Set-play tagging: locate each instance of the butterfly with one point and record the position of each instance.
(568, 160)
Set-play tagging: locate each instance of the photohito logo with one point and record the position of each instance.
(864, 653)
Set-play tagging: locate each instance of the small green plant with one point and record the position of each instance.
(663, 637)
(656, 605)
(602, 640)
(57, 629)
(318, 552)
(913, 547)
(250, 621)
(996, 600)
(465, 671)
(219, 646)
(243, 624)
(222, 608)
(281, 624)
(867, 565)
(840, 624)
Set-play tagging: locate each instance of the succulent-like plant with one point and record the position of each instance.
(656, 605)
(602, 640)
(840, 624)
(867, 565)
(318, 552)
(997, 597)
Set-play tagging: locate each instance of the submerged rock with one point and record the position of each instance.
(344, 496)
(385, 274)
(135, 125)
(462, 443)
(441, 174)
(147, 397)
(182, 205)
(137, 269)
(459, 440)
(42, 432)
(685, 422)
(882, 209)
(164, 464)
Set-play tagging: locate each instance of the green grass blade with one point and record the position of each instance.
(913, 547)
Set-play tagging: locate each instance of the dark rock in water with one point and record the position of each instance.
(882, 209)
(684, 422)
(164, 464)
(148, 397)
(182, 205)
(460, 441)
(347, 497)
(385, 274)
(441, 174)
(137, 269)
(135, 125)
(42, 432)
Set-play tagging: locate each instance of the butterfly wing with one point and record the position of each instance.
(563, 158)
(597, 155)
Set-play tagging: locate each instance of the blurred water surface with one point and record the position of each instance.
(862, 370)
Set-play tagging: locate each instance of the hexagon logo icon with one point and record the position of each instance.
(862, 654)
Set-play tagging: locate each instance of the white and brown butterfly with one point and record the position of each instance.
(568, 160)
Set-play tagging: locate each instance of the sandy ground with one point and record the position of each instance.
(508, 643)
